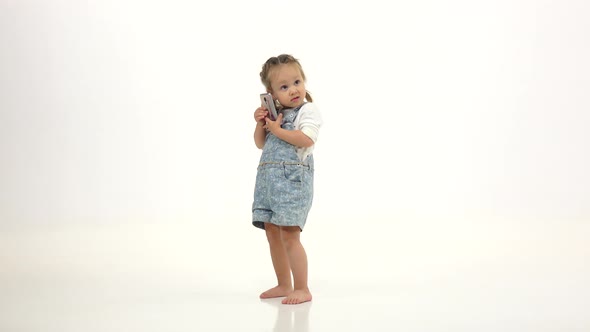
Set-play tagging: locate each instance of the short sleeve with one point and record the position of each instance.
(309, 121)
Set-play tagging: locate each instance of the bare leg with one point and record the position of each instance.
(298, 263)
(280, 262)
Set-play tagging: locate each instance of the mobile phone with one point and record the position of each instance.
(269, 104)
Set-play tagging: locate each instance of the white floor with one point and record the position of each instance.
(500, 276)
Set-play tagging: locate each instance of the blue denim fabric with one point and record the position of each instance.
(284, 185)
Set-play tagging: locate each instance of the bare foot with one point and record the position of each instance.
(297, 297)
(278, 291)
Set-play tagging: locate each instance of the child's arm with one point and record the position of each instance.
(295, 137)
(260, 132)
(259, 135)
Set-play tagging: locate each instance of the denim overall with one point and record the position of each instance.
(284, 184)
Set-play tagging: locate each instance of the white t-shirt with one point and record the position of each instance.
(309, 121)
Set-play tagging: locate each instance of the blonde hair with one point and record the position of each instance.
(274, 61)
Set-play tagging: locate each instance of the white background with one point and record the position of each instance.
(121, 109)
(455, 133)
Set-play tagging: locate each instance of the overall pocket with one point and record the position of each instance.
(293, 173)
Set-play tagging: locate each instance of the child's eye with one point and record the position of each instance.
(283, 87)
(297, 82)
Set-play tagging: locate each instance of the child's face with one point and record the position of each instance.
(287, 85)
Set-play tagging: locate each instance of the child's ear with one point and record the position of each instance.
(278, 104)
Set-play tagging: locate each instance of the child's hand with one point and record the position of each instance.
(273, 125)
(260, 114)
